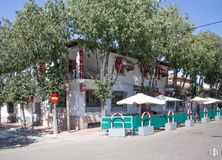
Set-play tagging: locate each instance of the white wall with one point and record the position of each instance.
(17, 113)
(124, 83)
(4, 113)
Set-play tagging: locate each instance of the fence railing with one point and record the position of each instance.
(88, 73)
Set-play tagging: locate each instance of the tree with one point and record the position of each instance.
(106, 24)
(5, 62)
(2, 95)
(6, 47)
(41, 34)
(19, 89)
(36, 42)
(211, 67)
(176, 40)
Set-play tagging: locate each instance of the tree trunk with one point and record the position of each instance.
(142, 78)
(194, 86)
(36, 79)
(216, 89)
(202, 82)
(23, 116)
(184, 81)
(67, 107)
(150, 80)
(174, 78)
(32, 116)
(0, 115)
(200, 87)
(102, 77)
(67, 94)
(183, 77)
(155, 74)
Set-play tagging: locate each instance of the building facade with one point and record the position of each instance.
(84, 106)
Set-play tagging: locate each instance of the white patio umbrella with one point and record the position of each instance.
(168, 99)
(199, 99)
(141, 98)
(211, 100)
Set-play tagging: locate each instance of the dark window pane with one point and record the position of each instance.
(10, 107)
(117, 96)
(91, 99)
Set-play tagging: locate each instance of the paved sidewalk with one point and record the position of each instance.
(13, 136)
(183, 144)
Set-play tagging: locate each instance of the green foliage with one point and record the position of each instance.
(104, 88)
(6, 49)
(41, 31)
(52, 80)
(148, 90)
(177, 36)
(3, 94)
(138, 28)
(38, 35)
(178, 91)
(123, 24)
(20, 88)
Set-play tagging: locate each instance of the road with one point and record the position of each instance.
(182, 144)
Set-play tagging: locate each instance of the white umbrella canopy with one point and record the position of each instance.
(141, 98)
(199, 99)
(168, 99)
(211, 100)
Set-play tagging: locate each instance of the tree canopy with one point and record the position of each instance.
(35, 41)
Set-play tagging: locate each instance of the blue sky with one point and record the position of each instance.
(199, 11)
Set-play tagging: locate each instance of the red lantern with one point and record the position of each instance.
(119, 63)
(54, 98)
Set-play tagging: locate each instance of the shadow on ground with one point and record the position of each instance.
(16, 137)
(15, 142)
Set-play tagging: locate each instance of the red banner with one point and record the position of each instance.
(81, 63)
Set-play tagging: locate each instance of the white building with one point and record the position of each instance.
(13, 113)
(84, 106)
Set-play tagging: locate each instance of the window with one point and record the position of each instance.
(92, 102)
(117, 96)
(91, 99)
(10, 107)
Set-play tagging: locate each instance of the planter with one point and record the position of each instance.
(117, 132)
(171, 126)
(205, 120)
(147, 130)
(189, 123)
(218, 118)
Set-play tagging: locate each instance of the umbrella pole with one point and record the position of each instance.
(140, 109)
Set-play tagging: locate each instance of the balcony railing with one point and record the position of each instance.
(88, 73)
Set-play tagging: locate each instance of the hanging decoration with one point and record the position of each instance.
(81, 63)
(119, 64)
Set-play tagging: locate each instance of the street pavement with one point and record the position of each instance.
(202, 142)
